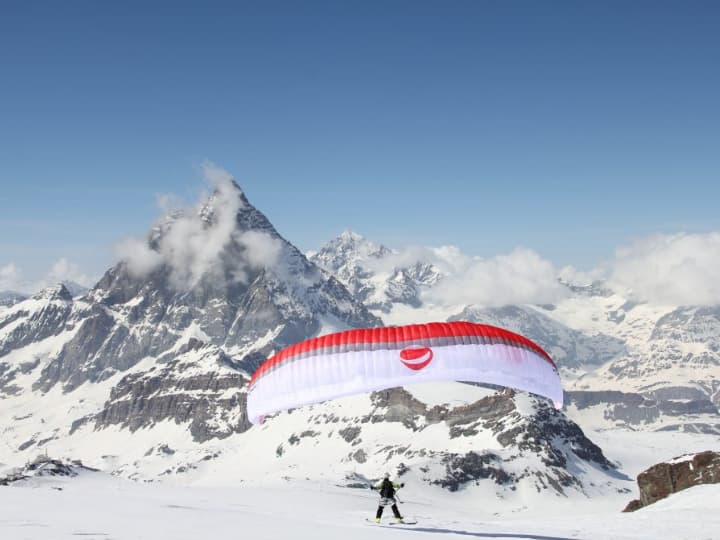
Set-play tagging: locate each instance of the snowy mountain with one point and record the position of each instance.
(74, 288)
(155, 344)
(450, 435)
(624, 363)
(145, 374)
(9, 298)
(573, 350)
(362, 266)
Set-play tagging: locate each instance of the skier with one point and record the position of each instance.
(387, 497)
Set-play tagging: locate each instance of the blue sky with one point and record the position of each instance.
(570, 128)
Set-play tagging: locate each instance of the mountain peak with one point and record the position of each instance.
(74, 288)
(350, 236)
(222, 240)
(219, 269)
(54, 292)
(349, 246)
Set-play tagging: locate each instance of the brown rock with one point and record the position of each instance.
(663, 479)
(633, 505)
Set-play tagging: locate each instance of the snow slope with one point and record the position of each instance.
(146, 382)
(630, 364)
(96, 506)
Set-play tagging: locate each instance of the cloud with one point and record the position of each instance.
(260, 249)
(139, 257)
(447, 259)
(196, 242)
(64, 270)
(12, 278)
(9, 277)
(677, 269)
(519, 277)
(570, 274)
(168, 203)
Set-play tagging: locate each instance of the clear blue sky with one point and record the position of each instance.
(566, 127)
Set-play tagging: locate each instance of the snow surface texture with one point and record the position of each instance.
(98, 507)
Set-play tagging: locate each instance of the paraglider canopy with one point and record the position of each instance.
(368, 359)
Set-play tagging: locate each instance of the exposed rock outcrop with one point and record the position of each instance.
(664, 479)
(524, 440)
(636, 409)
(45, 466)
(178, 340)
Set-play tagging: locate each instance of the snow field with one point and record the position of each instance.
(95, 506)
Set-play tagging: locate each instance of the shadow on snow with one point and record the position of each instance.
(519, 536)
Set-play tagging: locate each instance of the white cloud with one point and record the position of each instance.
(192, 241)
(447, 259)
(9, 277)
(64, 270)
(570, 274)
(12, 278)
(676, 269)
(261, 249)
(519, 277)
(168, 202)
(136, 252)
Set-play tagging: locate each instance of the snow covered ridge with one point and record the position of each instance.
(506, 440)
(145, 374)
(9, 298)
(197, 385)
(363, 267)
(651, 367)
(44, 466)
(147, 346)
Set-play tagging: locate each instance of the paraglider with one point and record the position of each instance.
(369, 359)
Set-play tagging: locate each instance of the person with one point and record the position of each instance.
(387, 490)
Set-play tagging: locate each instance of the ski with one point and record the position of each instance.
(393, 522)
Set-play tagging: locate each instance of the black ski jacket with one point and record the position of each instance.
(387, 488)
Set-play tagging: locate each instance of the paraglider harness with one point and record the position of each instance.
(388, 492)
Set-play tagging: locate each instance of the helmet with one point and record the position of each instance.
(387, 475)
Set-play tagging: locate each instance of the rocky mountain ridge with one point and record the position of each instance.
(614, 354)
(683, 472)
(9, 298)
(504, 441)
(154, 360)
(170, 352)
(360, 265)
(145, 374)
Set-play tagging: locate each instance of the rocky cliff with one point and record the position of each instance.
(664, 479)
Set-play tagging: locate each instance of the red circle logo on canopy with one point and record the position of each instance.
(416, 357)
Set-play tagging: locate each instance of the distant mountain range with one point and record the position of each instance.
(145, 374)
(623, 363)
(9, 298)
